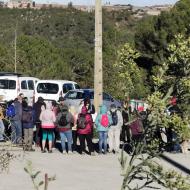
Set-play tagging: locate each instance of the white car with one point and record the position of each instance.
(12, 84)
(75, 97)
(53, 89)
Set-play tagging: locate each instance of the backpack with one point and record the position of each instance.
(10, 111)
(81, 122)
(104, 120)
(27, 116)
(136, 127)
(114, 118)
(63, 121)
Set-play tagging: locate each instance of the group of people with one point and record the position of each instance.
(43, 123)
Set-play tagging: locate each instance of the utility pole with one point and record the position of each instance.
(15, 49)
(98, 79)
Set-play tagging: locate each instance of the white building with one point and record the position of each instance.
(19, 3)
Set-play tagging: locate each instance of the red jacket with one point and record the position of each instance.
(89, 123)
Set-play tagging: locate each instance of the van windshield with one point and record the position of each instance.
(7, 84)
(48, 88)
(67, 87)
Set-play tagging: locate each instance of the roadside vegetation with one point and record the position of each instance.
(147, 58)
(141, 165)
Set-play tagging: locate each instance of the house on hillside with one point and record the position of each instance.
(19, 4)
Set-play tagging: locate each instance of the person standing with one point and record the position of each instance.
(56, 135)
(61, 104)
(90, 107)
(64, 122)
(2, 127)
(16, 123)
(125, 132)
(114, 129)
(74, 127)
(47, 118)
(28, 125)
(84, 130)
(103, 121)
(88, 104)
(37, 108)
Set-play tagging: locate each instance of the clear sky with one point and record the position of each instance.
(91, 2)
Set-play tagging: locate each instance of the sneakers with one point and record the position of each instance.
(64, 152)
(70, 152)
(50, 151)
(43, 151)
(93, 154)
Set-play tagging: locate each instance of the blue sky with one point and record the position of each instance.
(91, 2)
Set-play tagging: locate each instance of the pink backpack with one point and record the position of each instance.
(104, 120)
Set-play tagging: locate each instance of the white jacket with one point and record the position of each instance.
(120, 120)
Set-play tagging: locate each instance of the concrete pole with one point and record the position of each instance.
(98, 82)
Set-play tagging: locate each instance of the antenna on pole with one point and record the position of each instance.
(98, 82)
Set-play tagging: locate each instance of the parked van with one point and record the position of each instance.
(53, 89)
(12, 84)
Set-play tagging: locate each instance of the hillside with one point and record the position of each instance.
(62, 39)
(58, 43)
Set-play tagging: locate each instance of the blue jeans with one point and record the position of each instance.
(66, 135)
(103, 135)
(2, 129)
(16, 132)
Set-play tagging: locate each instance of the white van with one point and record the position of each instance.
(53, 89)
(12, 84)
